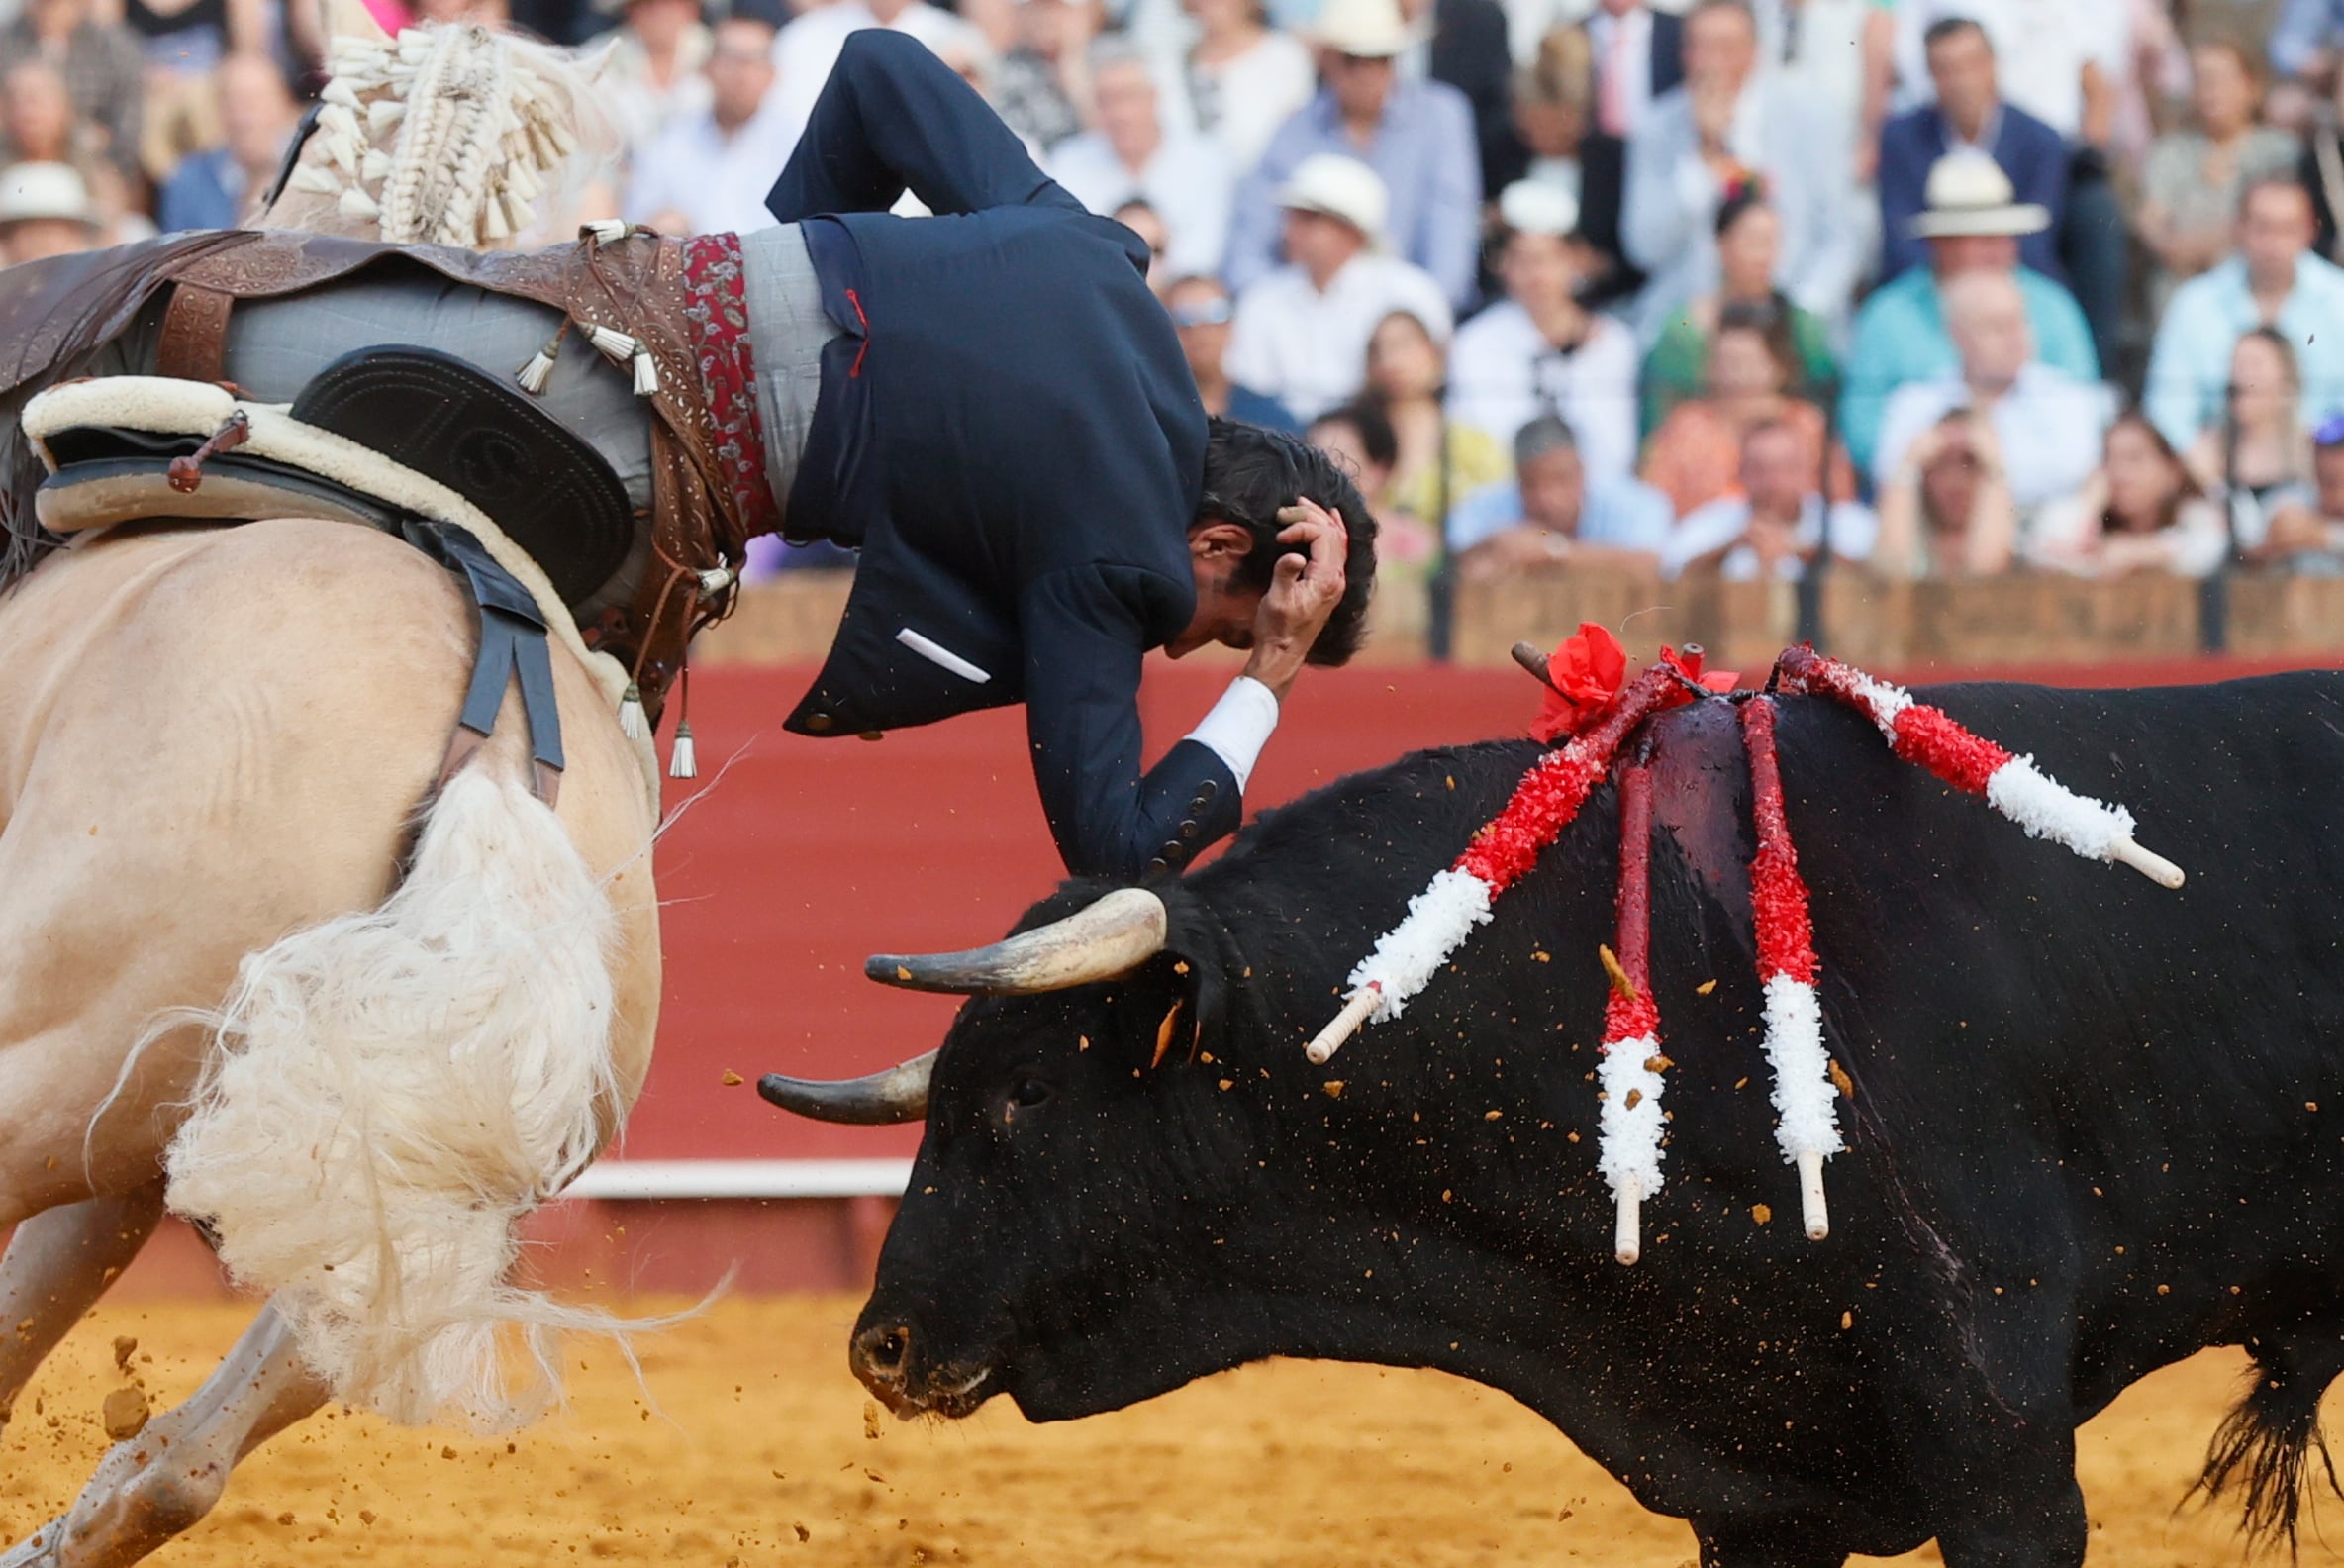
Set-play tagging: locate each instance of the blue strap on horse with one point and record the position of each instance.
(513, 648)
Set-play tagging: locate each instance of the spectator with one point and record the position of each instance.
(1301, 332)
(2142, 511)
(2188, 207)
(1244, 79)
(1148, 224)
(2258, 459)
(2307, 531)
(709, 171)
(1551, 101)
(2068, 63)
(1775, 525)
(1749, 239)
(1201, 310)
(1130, 155)
(46, 211)
(1436, 463)
(806, 50)
(1968, 112)
(1467, 50)
(1553, 515)
(1040, 82)
(1360, 438)
(98, 62)
(1639, 58)
(1946, 510)
(1726, 123)
(2303, 40)
(1972, 224)
(2272, 281)
(1695, 457)
(218, 187)
(657, 71)
(2047, 425)
(38, 125)
(1539, 349)
(183, 42)
(1418, 137)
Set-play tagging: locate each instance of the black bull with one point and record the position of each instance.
(2095, 1125)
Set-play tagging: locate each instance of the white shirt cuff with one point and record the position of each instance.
(1239, 726)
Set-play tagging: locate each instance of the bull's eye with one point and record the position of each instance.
(1029, 1092)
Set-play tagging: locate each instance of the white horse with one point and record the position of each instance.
(264, 970)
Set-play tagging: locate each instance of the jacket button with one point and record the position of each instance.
(1187, 829)
(872, 734)
(1154, 866)
(1205, 792)
(818, 722)
(1173, 850)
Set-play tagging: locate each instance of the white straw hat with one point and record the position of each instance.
(45, 190)
(1969, 195)
(1536, 207)
(1339, 187)
(1364, 28)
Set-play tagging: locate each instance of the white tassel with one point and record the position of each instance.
(414, 48)
(684, 763)
(337, 95)
(518, 214)
(345, 151)
(647, 374)
(338, 118)
(383, 113)
(603, 231)
(375, 166)
(540, 369)
(355, 203)
(521, 180)
(317, 181)
(565, 143)
(631, 712)
(611, 345)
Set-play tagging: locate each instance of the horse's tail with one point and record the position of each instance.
(391, 1091)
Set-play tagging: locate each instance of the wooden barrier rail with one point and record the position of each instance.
(2021, 619)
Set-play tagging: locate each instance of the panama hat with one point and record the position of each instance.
(1969, 195)
(1341, 188)
(1536, 207)
(45, 190)
(1364, 28)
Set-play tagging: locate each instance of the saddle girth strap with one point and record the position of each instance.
(512, 648)
(193, 344)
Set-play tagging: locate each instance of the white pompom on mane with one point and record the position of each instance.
(449, 133)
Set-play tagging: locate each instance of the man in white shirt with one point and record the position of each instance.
(1539, 348)
(709, 173)
(1728, 121)
(1302, 332)
(1779, 523)
(1130, 156)
(2048, 425)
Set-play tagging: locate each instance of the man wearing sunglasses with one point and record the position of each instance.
(1007, 431)
(1202, 311)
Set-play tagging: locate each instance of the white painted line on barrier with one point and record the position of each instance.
(767, 1178)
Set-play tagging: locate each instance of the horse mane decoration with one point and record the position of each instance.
(1591, 711)
(447, 135)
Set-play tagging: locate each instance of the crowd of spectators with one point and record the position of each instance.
(1958, 287)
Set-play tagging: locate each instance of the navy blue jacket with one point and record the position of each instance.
(2028, 150)
(1009, 433)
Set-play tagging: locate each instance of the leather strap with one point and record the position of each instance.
(194, 342)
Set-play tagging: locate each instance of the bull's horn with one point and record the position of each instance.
(1111, 936)
(900, 1094)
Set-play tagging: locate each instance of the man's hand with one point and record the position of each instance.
(1304, 590)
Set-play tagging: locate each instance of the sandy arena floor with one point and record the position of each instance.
(763, 1450)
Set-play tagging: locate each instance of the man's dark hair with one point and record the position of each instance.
(1249, 474)
(1948, 27)
(1371, 420)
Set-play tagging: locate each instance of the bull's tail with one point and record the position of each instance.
(2264, 1447)
(391, 1091)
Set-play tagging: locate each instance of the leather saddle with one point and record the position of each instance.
(112, 445)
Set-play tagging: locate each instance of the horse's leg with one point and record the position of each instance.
(57, 1264)
(153, 1487)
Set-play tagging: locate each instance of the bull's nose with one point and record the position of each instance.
(880, 1354)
